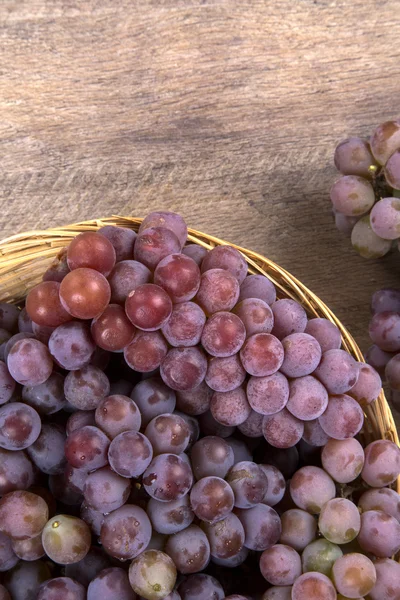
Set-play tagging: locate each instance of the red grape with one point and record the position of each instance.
(148, 307)
(185, 325)
(29, 362)
(179, 276)
(262, 354)
(154, 244)
(91, 250)
(230, 408)
(184, 369)
(112, 330)
(86, 448)
(223, 334)
(227, 258)
(125, 277)
(219, 290)
(44, 307)
(282, 429)
(122, 239)
(146, 351)
(85, 293)
(225, 374)
(169, 220)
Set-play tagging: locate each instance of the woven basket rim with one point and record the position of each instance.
(24, 257)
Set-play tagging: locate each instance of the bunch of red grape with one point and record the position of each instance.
(169, 429)
(366, 199)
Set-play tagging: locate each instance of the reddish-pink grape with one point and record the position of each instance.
(289, 317)
(153, 398)
(71, 345)
(282, 429)
(168, 477)
(308, 398)
(338, 371)
(211, 456)
(262, 354)
(299, 528)
(248, 482)
(184, 369)
(148, 307)
(13, 340)
(258, 286)
(256, 316)
(382, 499)
(86, 448)
(84, 293)
(185, 325)
(125, 277)
(44, 307)
(353, 157)
(325, 332)
(311, 488)
(343, 459)
(354, 575)
(280, 565)
(196, 402)
(262, 526)
(227, 258)
(153, 244)
(179, 276)
(168, 433)
(122, 239)
(302, 355)
(268, 395)
(116, 414)
(379, 534)
(211, 499)
(59, 267)
(169, 220)
(61, 587)
(252, 426)
(93, 251)
(368, 386)
(382, 463)
(29, 362)
(86, 387)
(352, 195)
(146, 351)
(130, 454)
(343, 417)
(112, 330)
(19, 426)
(195, 252)
(22, 515)
(223, 334)
(385, 219)
(230, 408)
(313, 586)
(384, 331)
(218, 291)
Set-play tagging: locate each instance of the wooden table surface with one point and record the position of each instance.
(226, 111)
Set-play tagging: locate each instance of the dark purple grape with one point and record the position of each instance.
(42, 332)
(170, 517)
(122, 239)
(195, 402)
(146, 351)
(282, 430)
(22, 514)
(223, 334)
(125, 277)
(226, 537)
(289, 317)
(130, 454)
(24, 322)
(262, 354)
(63, 588)
(168, 477)
(126, 532)
(209, 426)
(219, 291)
(24, 580)
(268, 395)
(9, 317)
(185, 325)
(262, 526)
(314, 435)
(85, 570)
(189, 549)
(168, 220)
(63, 488)
(384, 331)
(378, 359)
(275, 485)
(47, 452)
(199, 587)
(71, 345)
(16, 471)
(5, 336)
(7, 384)
(211, 456)
(86, 387)
(106, 491)
(184, 369)
(195, 252)
(111, 584)
(121, 387)
(240, 450)
(179, 276)
(93, 518)
(85, 293)
(153, 244)
(46, 398)
(80, 419)
(168, 433)
(86, 448)
(31, 549)
(230, 408)
(112, 330)
(338, 371)
(13, 340)
(19, 426)
(29, 362)
(153, 398)
(58, 268)
(8, 558)
(116, 414)
(75, 478)
(248, 482)
(343, 417)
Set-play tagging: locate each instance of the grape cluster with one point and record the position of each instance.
(169, 429)
(366, 198)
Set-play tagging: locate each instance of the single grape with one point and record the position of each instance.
(325, 332)
(366, 242)
(195, 252)
(168, 220)
(343, 223)
(352, 195)
(339, 521)
(282, 592)
(368, 386)
(168, 433)
(85, 293)
(384, 140)
(343, 417)
(384, 300)
(313, 586)
(262, 354)
(122, 239)
(125, 277)
(289, 317)
(13, 340)
(5, 336)
(201, 586)
(299, 528)
(226, 537)
(153, 244)
(387, 586)
(152, 575)
(224, 374)
(302, 355)
(233, 561)
(275, 485)
(320, 556)
(218, 291)
(354, 575)
(153, 398)
(258, 286)
(211, 499)
(378, 359)
(66, 539)
(75, 478)
(385, 220)
(31, 549)
(282, 429)
(262, 526)
(230, 408)
(112, 330)
(168, 477)
(111, 584)
(189, 549)
(85, 570)
(211, 456)
(308, 398)
(29, 362)
(248, 482)
(116, 414)
(9, 317)
(379, 534)
(71, 345)
(130, 454)
(392, 373)
(382, 463)
(353, 157)
(47, 452)
(22, 514)
(382, 499)
(227, 258)
(126, 532)
(311, 488)
(7, 384)
(280, 565)
(209, 426)
(93, 518)
(343, 459)
(19, 426)
(170, 517)
(185, 325)
(223, 334)
(61, 587)
(42, 332)
(256, 316)
(148, 307)
(268, 395)
(44, 307)
(93, 251)
(184, 369)
(79, 419)
(16, 471)
(314, 435)
(106, 491)
(8, 558)
(86, 387)
(64, 487)
(146, 351)
(252, 426)
(384, 331)
(86, 448)
(179, 276)
(196, 402)
(23, 581)
(46, 398)
(338, 371)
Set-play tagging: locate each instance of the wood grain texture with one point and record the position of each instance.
(227, 111)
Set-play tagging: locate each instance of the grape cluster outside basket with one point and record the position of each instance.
(24, 258)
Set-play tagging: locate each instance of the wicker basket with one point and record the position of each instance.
(24, 257)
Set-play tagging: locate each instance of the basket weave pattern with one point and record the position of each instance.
(24, 257)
